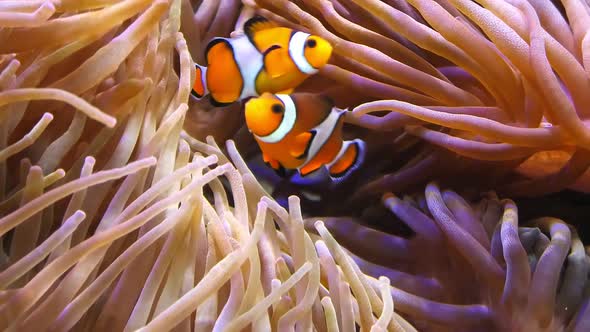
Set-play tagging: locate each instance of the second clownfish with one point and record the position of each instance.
(303, 131)
(266, 58)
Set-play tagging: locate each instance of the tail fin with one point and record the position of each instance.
(200, 84)
(348, 160)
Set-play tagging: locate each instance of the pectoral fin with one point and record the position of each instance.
(301, 145)
(274, 164)
(276, 61)
(266, 158)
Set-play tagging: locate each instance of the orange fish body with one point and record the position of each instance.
(303, 132)
(266, 58)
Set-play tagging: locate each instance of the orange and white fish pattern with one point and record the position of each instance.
(303, 131)
(266, 58)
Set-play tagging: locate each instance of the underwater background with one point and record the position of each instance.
(128, 203)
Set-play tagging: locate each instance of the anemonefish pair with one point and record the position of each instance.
(303, 131)
(265, 58)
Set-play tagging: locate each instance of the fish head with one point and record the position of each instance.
(317, 51)
(264, 114)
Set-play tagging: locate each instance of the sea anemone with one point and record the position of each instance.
(114, 219)
(473, 265)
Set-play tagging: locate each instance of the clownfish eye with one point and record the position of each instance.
(311, 43)
(277, 108)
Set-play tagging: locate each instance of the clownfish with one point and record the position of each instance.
(265, 58)
(303, 131)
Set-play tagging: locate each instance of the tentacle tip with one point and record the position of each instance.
(47, 6)
(265, 199)
(212, 158)
(320, 246)
(110, 122)
(384, 280)
(230, 142)
(47, 116)
(432, 185)
(294, 200)
(183, 108)
(262, 204)
(388, 198)
(275, 283)
(80, 214)
(90, 161)
(151, 161)
(148, 81)
(319, 224)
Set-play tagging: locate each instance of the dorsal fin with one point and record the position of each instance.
(257, 23)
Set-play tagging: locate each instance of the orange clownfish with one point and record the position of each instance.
(265, 58)
(303, 131)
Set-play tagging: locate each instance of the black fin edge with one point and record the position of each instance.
(355, 164)
(217, 103)
(193, 92)
(249, 23)
(212, 43)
